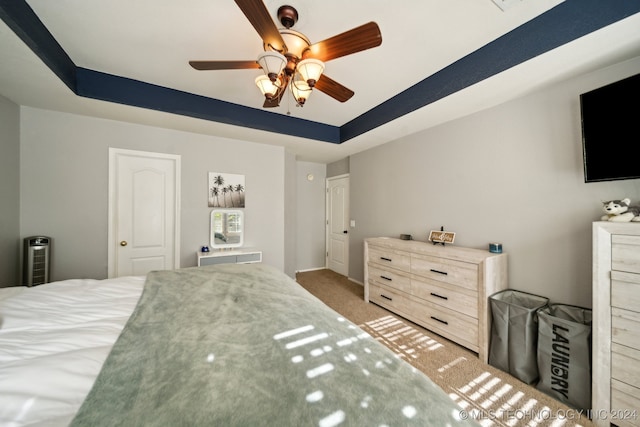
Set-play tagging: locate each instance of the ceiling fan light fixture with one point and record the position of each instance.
(301, 92)
(272, 64)
(296, 42)
(310, 70)
(268, 88)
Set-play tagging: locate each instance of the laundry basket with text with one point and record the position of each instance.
(564, 354)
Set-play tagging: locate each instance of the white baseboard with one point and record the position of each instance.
(310, 269)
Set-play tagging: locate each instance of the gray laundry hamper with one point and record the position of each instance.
(514, 333)
(564, 354)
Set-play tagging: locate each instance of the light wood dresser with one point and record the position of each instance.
(442, 288)
(616, 324)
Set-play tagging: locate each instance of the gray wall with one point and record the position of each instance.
(10, 245)
(64, 183)
(290, 213)
(510, 174)
(337, 168)
(310, 234)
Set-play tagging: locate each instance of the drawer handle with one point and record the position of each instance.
(386, 278)
(385, 259)
(438, 296)
(439, 272)
(386, 297)
(438, 320)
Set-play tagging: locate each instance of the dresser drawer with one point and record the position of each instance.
(625, 364)
(625, 404)
(457, 273)
(450, 324)
(625, 253)
(451, 297)
(394, 259)
(625, 327)
(389, 278)
(389, 298)
(625, 290)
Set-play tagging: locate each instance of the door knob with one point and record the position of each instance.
(345, 232)
(123, 243)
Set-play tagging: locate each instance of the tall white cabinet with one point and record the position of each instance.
(616, 324)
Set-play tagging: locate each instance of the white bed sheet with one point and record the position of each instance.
(54, 339)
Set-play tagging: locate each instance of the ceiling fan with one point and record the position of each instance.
(290, 61)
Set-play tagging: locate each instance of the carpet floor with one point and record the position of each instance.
(492, 397)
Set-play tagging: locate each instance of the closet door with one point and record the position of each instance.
(143, 212)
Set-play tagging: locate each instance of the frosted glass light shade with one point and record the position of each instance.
(296, 42)
(266, 86)
(301, 91)
(272, 64)
(310, 70)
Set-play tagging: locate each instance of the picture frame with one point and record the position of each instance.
(439, 236)
(226, 190)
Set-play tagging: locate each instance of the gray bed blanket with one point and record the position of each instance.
(245, 345)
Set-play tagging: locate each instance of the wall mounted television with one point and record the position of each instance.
(611, 131)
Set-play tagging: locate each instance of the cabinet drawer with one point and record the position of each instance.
(226, 259)
(625, 364)
(388, 298)
(249, 258)
(461, 300)
(625, 253)
(625, 328)
(625, 290)
(625, 404)
(398, 260)
(389, 278)
(457, 273)
(450, 324)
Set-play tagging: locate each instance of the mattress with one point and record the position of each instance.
(54, 339)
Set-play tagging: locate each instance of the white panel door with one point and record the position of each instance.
(338, 225)
(144, 212)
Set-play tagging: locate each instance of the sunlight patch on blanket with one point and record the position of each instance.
(307, 340)
(320, 370)
(334, 419)
(292, 332)
(316, 396)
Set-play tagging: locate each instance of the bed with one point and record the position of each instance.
(223, 345)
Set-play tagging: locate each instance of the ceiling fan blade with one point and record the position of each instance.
(358, 39)
(257, 13)
(223, 65)
(333, 89)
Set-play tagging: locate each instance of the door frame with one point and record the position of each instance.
(112, 206)
(328, 218)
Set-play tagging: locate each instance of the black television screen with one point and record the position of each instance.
(611, 131)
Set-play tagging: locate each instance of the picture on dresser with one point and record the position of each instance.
(442, 236)
(226, 190)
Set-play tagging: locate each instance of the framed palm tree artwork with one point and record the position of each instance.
(226, 190)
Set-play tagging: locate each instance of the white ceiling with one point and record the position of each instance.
(153, 40)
